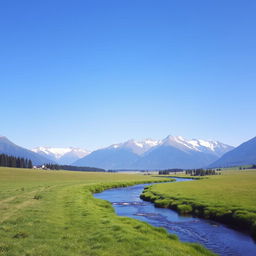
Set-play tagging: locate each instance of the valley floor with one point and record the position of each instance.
(54, 213)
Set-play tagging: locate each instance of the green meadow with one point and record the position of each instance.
(54, 213)
(229, 198)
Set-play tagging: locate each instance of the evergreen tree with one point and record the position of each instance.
(30, 164)
(11, 161)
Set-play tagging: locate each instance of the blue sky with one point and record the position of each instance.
(93, 73)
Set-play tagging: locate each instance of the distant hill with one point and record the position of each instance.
(9, 148)
(61, 156)
(171, 152)
(245, 154)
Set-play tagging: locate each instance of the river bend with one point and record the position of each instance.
(214, 236)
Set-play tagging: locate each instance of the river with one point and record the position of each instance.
(214, 236)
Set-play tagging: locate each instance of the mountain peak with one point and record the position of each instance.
(65, 155)
(137, 147)
(3, 138)
(199, 145)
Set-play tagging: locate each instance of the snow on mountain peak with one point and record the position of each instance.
(137, 147)
(60, 152)
(199, 145)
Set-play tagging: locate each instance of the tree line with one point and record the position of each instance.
(251, 167)
(201, 172)
(17, 162)
(73, 168)
(168, 171)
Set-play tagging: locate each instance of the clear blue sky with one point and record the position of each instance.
(91, 73)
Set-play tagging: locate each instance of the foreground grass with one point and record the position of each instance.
(229, 198)
(54, 213)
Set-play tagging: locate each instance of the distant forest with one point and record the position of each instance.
(17, 162)
(73, 168)
(202, 172)
(168, 171)
(194, 172)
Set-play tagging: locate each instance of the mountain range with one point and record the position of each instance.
(171, 152)
(62, 156)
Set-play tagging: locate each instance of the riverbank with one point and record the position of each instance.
(228, 198)
(53, 213)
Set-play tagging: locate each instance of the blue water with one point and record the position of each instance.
(214, 236)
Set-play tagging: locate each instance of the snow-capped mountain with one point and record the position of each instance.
(61, 155)
(137, 147)
(118, 156)
(178, 152)
(208, 146)
(171, 152)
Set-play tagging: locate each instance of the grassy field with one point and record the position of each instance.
(54, 213)
(229, 198)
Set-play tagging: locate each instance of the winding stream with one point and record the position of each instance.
(214, 236)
